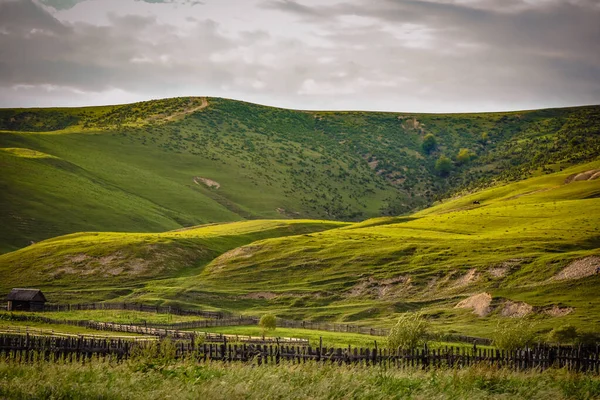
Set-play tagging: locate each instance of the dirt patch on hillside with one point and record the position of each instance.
(135, 262)
(515, 309)
(206, 182)
(468, 278)
(381, 289)
(498, 272)
(556, 311)
(503, 269)
(590, 175)
(479, 303)
(580, 269)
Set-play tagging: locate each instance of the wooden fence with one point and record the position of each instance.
(172, 333)
(136, 307)
(25, 348)
(366, 330)
(217, 318)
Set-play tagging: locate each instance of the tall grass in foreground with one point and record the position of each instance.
(162, 378)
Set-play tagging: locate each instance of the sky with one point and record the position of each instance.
(387, 55)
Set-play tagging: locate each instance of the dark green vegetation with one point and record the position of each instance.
(161, 379)
(167, 164)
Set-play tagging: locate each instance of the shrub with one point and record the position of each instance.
(563, 334)
(513, 334)
(429, 143)
(443, 166)
(464, 156)
(268, 322)
(409, 332)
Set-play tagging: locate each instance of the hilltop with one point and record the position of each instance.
(174, 163)
(529, 248)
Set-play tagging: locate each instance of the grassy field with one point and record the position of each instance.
(78, 265)
(165, 380)
(117, 316)
(43, 328)
(167, 164)
(514, 247)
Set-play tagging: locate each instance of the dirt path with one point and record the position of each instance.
(203, 104)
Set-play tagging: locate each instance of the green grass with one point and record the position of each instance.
(43, 328)
(117, 316)
(365, 273)
(131, 167)
(162, 380)
(330, 339)
(85, 260)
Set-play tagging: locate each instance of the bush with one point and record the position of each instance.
(268, 322)
(443, 166)
(514, 334)
(409, 332)
(464, 156)
(429, 143)
(563, 334)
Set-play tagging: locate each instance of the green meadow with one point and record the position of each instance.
(160, 379)
(513, 247)
(343, 217)
(167, 164)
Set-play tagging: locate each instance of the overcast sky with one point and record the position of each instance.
(393, 55)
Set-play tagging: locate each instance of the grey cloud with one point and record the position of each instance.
(67, 4)
(392, 55)
(131, 53)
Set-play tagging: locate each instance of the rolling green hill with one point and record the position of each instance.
(168, 164)
(529, 248)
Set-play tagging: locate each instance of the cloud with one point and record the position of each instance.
(409, 55)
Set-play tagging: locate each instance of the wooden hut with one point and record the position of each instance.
(26, 300)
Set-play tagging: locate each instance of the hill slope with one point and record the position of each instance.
(530, 247)
(172, 163)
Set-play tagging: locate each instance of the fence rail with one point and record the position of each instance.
(26, 348)
(172, 333)
(136, 307)
(219, 318)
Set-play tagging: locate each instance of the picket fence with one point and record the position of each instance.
(26, 348)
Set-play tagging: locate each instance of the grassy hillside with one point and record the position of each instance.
(530, 248)
(513, 246)
(109, 264)
(167, 164)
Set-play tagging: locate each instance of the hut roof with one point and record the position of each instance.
(18, 294)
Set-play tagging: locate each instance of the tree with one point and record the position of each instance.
(464, 156)
(443, 166)
(429, 143)
(409, 332)
(268, 322)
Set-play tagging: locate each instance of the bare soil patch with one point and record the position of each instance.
(580, 269)
(206, 182)
(556, 311)
(590, 175)
(479, 303)
(381, 289)
(516, 309)
(468, 278)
